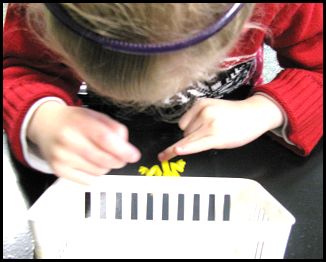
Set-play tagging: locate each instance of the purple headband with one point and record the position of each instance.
(142, 49)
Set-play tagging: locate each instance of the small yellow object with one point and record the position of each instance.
(171, 169)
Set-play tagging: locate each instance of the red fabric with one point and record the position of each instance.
(295, 32)
(297, 37)
(29, 74)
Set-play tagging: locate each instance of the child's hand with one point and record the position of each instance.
(222, 124)
(78, 143)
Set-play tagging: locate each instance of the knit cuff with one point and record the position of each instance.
(17, 103)
(299, 92)
(30, 151)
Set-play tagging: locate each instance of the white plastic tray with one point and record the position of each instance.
(160, 217)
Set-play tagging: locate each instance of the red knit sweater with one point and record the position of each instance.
(295, 32)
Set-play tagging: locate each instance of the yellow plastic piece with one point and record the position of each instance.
(171, 169)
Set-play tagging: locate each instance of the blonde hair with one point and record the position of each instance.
(143, 79)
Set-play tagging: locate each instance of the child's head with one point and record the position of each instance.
(140, 78)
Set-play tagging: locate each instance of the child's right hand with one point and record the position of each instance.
(78, 143)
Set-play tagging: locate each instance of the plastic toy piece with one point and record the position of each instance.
(171, 169)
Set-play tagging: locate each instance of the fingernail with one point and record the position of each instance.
(178, 149)
(161, 156)
(135, 157)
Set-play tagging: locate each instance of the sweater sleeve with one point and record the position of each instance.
(296, 34)
(30, 73)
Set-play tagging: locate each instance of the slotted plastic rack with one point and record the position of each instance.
(160, 217)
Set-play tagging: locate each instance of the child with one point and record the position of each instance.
(188, 56)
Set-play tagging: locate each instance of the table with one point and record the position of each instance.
(296, 182)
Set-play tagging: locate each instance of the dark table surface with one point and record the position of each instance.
(296, 182)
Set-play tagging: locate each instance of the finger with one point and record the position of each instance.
(182, 148)
(71, 160)
(191, 115)
(100, 158)
(112, 137)
(118, 128)
(194, 125)
(176, 149)
(187, 118)
(76, 176)
(193, 147)
(103, 160)
(121, 149)
(167, 154)
(113, 144)
(89, 151)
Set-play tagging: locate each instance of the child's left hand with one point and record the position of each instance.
(223, 124)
